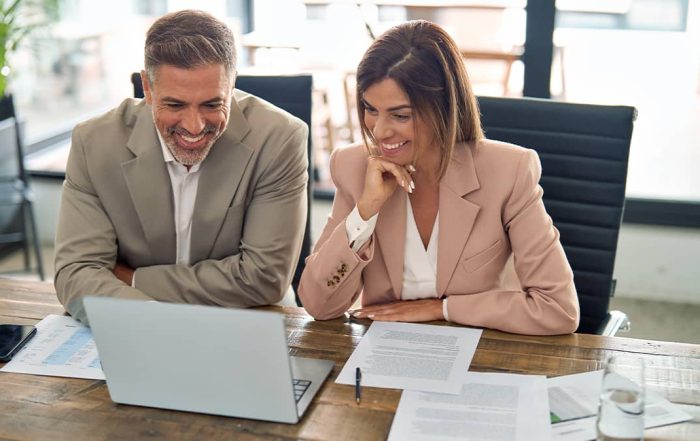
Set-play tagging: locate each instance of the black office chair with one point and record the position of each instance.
(293, 94)
(584, 151)
(17, 223)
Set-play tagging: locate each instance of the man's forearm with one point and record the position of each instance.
(78, 280)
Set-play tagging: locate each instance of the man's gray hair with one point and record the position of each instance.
(189, 39)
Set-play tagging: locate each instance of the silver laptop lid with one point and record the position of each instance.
(213, 360)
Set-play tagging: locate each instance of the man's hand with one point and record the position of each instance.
(123, 273)
(424, 310)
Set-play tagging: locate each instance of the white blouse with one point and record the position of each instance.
(420, 264)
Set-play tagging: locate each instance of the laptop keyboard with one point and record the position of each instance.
(300, 386)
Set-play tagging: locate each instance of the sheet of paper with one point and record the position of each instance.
(573, 403)
(62, 347)
(412, 356)
(491, 406)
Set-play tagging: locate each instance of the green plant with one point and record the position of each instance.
(19, 18)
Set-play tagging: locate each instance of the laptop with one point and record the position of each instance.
(214, 360)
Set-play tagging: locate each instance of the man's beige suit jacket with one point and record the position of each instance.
(117, 205)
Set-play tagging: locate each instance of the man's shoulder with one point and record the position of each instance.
(119, 119)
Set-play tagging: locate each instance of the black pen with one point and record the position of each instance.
(358, 377)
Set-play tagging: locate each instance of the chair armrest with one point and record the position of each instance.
(616, 321)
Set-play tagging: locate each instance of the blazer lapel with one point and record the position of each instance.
(220, 176)
(457, 215)
(391, 234)
(149, 186)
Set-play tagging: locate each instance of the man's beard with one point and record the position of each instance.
(186, 156)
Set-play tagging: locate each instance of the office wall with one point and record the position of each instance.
(658, 263)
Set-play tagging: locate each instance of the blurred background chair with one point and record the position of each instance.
(292, 93)
(17, 223)
(584, 150)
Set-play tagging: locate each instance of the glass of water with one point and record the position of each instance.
(621, 406)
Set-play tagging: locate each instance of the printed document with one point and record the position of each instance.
(573, 405)
(412, 356)
(62, 347)
(491, 406)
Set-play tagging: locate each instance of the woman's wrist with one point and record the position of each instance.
(367, 209)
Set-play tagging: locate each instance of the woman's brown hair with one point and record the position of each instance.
(425, 62)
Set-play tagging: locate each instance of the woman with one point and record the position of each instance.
(428, 213)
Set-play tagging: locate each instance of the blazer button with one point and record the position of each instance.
(336, 279)
(330, 283)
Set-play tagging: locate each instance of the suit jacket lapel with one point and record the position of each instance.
(457, 215)
(220, 176)
(391, 234)
(149, 186)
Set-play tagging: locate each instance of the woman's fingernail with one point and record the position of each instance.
(370, 316)
(413, 185)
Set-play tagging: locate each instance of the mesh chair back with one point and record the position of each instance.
(10, 162)
(584, 150)
(12, 186)
(16, 212)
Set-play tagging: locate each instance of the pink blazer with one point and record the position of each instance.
(491, 209)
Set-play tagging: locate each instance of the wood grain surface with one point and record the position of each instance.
(52, 408)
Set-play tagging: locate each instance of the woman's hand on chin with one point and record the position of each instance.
(381, 180)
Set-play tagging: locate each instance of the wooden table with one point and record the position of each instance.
(42, 408)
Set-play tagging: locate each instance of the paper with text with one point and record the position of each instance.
(62, 347)
(491, 406)
(573, 404)
(412, 356)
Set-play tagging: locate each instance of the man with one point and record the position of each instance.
(195, 194)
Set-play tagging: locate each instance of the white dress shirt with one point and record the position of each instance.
(184, 183)
(420, 264)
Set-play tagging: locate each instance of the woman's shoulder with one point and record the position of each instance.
(499, 163)
(489, 149)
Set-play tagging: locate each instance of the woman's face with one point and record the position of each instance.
(401, 136)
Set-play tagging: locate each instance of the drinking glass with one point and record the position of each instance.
(621, 405)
